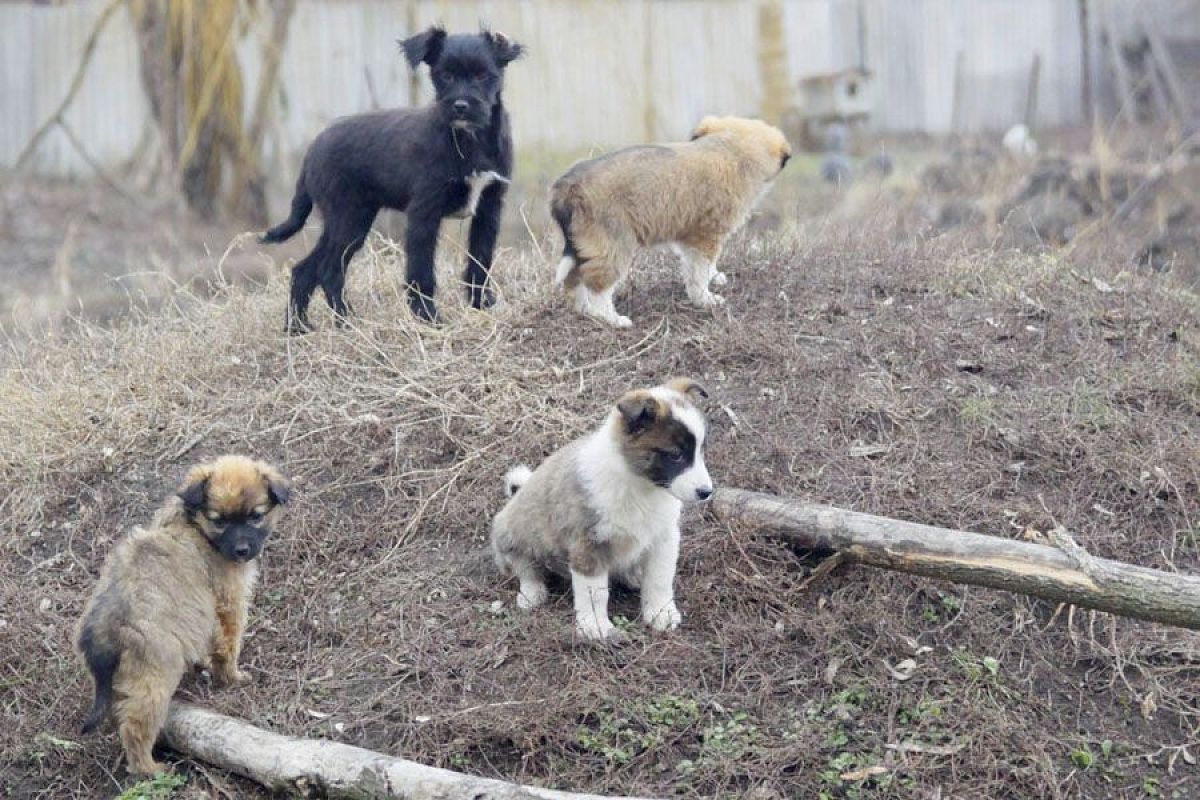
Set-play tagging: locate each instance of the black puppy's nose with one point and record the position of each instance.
(241, 550)
(704, 494)
(461, 105)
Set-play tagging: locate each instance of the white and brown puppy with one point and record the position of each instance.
(689, 195)
(609, 504)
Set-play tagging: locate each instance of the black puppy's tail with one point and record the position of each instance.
(301, 207)
(102, 661)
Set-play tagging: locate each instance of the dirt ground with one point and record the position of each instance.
(917, 374)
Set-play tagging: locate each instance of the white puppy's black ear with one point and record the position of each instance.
(639, 409)
(504, 48)
(424, 47)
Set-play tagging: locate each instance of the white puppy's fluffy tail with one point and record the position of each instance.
(564, 269)
(515, 478)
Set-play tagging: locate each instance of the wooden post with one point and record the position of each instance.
(1128, 105)
(956, 99)
(1085, 55)
(1161, 58)
(1031, 93)
(414, 80)
(772, 62)
(649, 108)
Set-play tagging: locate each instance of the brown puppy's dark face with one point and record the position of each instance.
(235, 502)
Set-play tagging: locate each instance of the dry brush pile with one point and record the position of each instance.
(979, 389)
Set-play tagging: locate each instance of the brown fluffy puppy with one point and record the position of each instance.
(690, 195)
(176, 594)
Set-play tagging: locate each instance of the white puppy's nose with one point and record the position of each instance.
(704, 493)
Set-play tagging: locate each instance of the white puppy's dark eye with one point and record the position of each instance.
(254, 516)
(674, 458)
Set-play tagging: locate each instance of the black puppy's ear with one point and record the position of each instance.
(638, 409)
(194, 488)
(425, 46)
(504, 48)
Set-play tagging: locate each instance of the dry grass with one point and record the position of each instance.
(1003, 394)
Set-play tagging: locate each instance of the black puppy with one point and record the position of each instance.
(450, 159)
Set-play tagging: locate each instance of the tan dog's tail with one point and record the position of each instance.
(565, 272)
(566, 275)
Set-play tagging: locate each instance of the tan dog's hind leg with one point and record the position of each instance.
(140, 714)
(594, 295)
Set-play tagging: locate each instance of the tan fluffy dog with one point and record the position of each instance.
(691, 195)
(177, 594)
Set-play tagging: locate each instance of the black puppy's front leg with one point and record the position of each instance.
(481, 245)
(420, 249)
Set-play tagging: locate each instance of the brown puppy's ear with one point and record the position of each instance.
(688, 388)
(278, 487)
(705, 127)
(194, 487)
(638, 409)
(425, 46)
(504, 48)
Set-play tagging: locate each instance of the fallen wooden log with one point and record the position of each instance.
(319, 768)
(1064, 573)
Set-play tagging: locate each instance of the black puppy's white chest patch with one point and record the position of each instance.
(474, 185)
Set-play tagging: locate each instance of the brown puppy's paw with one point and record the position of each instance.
(233, 677)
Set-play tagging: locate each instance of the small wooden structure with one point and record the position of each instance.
(844, 97)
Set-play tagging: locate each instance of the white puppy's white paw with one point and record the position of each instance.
(621, 322)
(663, 618)
(719, 279)
(598, 629)
(530, 597)
(710, 300)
